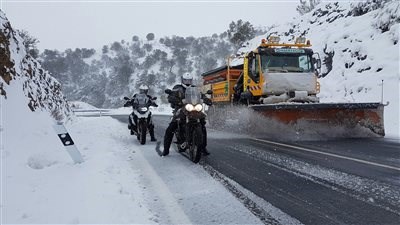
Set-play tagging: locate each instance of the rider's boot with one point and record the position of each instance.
(205, 152)
(169, 135)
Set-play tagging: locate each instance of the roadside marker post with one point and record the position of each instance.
(68, 143)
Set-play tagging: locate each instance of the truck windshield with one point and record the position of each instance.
(278, 63)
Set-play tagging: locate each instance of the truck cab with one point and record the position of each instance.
(278, 72)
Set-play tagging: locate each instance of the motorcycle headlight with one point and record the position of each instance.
(143, 109)
(198, 107)
(189, 107)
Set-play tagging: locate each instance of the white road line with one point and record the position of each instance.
(329, 154)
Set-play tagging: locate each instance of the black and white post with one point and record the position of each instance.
(68, 142)
(382, 93)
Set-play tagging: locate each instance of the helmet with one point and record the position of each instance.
(143, 89)
(187, 79)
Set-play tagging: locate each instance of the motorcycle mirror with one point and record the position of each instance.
(209, 92)
(126, 98)
(168, 91)
(154, 98)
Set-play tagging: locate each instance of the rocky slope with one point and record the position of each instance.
(23, 75)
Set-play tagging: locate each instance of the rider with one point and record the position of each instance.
(175, 98)
(143, 89)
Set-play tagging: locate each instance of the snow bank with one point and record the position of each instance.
(80, 105)
(40, 183)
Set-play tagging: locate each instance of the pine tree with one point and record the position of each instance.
(30, 43)
(307, 6)
(150, 36)
(240, 32)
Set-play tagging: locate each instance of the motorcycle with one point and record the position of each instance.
(189, 135)
(141, 109)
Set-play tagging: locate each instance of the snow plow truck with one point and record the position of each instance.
(280, 82)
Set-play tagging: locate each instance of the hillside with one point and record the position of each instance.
(103, 77)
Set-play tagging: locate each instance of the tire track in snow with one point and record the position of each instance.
(171, 206)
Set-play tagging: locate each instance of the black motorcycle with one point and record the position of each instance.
(189, 135)
(141, 109)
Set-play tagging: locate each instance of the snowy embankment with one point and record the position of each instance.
(119, 182)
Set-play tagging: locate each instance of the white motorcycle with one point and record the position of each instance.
(141, 110)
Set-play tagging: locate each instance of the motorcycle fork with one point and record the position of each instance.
(190, 125)
(138, 125)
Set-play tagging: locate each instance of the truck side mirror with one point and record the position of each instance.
(168, 91)
(318, 63)
(316, 60)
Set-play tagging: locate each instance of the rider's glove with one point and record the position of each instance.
(127, 104)
(207, 101)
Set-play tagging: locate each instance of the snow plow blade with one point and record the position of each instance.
(367, 116)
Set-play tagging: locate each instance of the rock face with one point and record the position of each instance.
(17, 68)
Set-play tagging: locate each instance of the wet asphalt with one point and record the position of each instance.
(343, 181)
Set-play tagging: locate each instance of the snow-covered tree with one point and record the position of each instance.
(307, 6)
(239, 32)
(30, 43)
(150, 36)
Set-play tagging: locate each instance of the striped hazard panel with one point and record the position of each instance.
(254, 88)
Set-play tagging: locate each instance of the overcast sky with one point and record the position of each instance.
(94, 23)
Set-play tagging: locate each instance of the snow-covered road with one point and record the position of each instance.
(119, 182)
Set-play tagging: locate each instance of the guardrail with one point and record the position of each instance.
(99, 112)
(109, 112)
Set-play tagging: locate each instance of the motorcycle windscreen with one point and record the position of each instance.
(192, 96)
(141, 100)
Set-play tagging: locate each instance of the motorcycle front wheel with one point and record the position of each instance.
(196, 145)
(142, 132)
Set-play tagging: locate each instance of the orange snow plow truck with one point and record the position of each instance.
(280, 82)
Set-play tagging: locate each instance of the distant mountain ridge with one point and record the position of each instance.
(102, 78)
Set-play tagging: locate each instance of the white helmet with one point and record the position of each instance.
(143, 89)
(187, 79)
